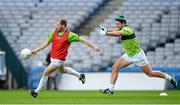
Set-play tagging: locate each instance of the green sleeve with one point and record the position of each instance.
(127, 31)
(50, 36)
(73, 37)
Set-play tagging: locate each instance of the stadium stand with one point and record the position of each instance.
(28, 23)
(156, 23)
(25, 24)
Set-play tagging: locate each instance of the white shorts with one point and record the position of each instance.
(138, 59)
(57, 62)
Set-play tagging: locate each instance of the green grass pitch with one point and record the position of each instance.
(20, 97)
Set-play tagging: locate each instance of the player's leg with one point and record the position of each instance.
(120, 63)
(140, 60)
(49, 69)
(71, 71)
(155, 73)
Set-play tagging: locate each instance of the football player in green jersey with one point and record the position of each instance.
(133, 54)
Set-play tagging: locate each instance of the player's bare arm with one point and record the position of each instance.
(110, 30)
(115, 33)
(88, 43)
(42, 46)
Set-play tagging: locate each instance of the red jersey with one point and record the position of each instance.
(60, 45)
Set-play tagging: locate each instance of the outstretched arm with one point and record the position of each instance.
(115, 33)
(110, 32)
(88, 43)
(42, 46)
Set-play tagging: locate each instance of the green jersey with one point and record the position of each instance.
(73, 37)
(131, 46)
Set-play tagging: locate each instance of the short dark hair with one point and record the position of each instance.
(63, 22)
(121, 19)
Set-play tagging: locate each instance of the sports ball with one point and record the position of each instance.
(26, 53)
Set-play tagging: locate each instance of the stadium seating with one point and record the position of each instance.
(156, 24)
(27, 23)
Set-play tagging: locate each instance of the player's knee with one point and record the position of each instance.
(150, 74)
(63, 70)
(114, 68)
(45, 73)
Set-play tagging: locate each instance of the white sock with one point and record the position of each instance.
(41, 83)
(168, 77)
(111, 87)
(73, 72)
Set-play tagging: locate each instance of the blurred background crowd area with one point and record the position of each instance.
(26, 23)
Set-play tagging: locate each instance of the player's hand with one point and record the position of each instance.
(34, 52)
(97, 49)
(102, 31)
